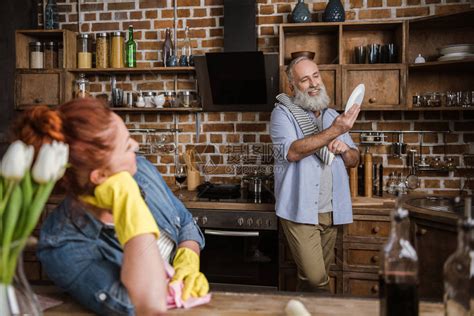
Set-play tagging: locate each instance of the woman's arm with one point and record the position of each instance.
(143, 275)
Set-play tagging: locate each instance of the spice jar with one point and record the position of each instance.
(186, 99)
(102, 51)
(148, 98)
(170, 99)
(117, 51)
(84, 51)
(36, 55)
(50, 55)
(81, 87)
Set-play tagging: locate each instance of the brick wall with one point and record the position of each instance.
(230, 144)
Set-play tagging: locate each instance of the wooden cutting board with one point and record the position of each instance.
(372, 201)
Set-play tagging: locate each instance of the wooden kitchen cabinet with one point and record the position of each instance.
(388, 86)
(43, 86)
(434, 242)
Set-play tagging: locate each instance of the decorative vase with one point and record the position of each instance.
(300, 13)
(334, 12)
(16, 297)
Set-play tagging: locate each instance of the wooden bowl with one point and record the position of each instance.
(305, 53)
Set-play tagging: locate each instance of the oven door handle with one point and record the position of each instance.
(230, 233)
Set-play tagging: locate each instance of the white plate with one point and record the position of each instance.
(357, 96)
(458, 48)
(455, 56)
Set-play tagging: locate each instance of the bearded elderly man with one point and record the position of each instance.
(312, 150)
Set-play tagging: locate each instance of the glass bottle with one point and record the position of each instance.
(131, 50)
(186, 50)
(399, 270)
(167, 50)
(459, 269)
(392, 184)
(51, 15)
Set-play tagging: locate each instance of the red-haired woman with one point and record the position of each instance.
(103, 251)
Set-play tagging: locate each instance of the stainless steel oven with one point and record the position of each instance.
(241, 251)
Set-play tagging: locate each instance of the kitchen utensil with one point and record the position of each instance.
(190, 159)
(399, 148)
(353, 181)
(457, 48)
(254, 182)
(368, 174)
(117, 97)
(412, 181)
(357, 96)
(194, 179)
(305, 53)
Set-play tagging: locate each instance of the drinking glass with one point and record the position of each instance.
(373, 53)
(180, 176)
(360, 54)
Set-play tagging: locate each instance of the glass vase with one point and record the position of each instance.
(300, 13)
(16, 295)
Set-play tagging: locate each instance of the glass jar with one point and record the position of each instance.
(50, 55)
(186, 99)
(148, 98)
(170, 99)
(36, 55)
(81, 87)
(60, 55)
(84, 51)
(102, 51)
(117, 50)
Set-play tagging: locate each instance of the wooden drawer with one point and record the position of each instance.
(361, 284)
(384, 84)
(363, 257)
(368, 228)
(38, 88)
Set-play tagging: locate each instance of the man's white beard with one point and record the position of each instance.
(312, 103)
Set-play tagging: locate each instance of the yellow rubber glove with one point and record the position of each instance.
(186, 265)
(121, 194)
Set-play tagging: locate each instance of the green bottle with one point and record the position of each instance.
(131, 50)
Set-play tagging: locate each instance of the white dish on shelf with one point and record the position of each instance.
(455, 56)
(457, 48)
(357, 96)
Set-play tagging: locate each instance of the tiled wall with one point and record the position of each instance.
(231, 143)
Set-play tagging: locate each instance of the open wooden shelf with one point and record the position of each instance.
(462, 64)
(156, 110)
(169, 70)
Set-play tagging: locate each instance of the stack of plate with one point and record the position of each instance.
(456, 52)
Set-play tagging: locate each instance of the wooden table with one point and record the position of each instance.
(245, 304)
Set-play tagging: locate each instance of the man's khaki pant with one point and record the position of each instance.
(312, 247)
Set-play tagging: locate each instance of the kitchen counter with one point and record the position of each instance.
(245, 304)
(191, 201)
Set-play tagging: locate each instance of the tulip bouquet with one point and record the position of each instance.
(23, 194)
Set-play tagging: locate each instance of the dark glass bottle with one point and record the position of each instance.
(399, 270)
(167, 50)
(130, 50)
(459, 269)
(51, 19)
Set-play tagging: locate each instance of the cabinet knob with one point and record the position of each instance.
(375, 230)
(196, 219)
(240, 221)
(421, 231)
(204, 220)
(38, 100)
(374, 289)
(372, 100)
(375, 259)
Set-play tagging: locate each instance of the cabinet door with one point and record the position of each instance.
(361, 284)
(434, 243)
(384, 85)
(38, 88)
(331, 76)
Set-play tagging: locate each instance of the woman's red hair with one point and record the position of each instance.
(84, 124)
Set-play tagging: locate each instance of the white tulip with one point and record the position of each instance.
(51, 162)
(16, 161)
